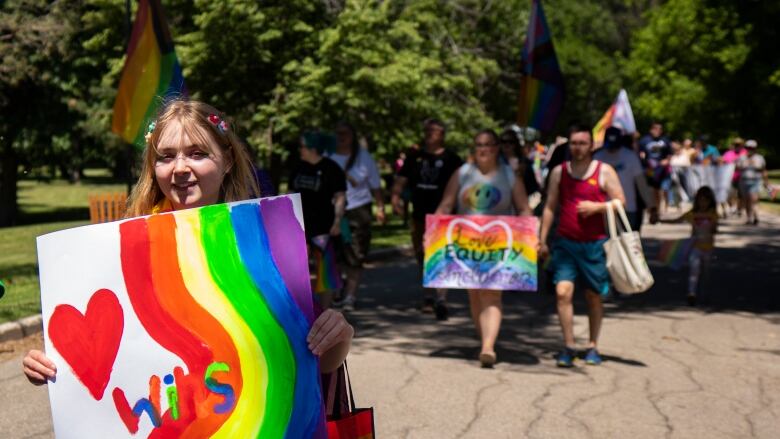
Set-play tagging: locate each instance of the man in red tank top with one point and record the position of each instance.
(579, 190)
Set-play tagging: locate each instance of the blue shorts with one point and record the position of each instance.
(749, 187)
(573, 259)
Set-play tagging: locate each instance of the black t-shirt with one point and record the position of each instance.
(428, 175)
(529, 179)
(317, 184)
(655, 149)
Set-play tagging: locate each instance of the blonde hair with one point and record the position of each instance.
(239, 182)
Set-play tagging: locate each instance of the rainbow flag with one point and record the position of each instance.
(541, 83)
(151, 74)
(674, 253)
(328, 276)
(618, 115)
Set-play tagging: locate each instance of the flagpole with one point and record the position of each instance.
(128, 146)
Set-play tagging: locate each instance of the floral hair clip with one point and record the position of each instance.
(149, 131)
(221, 125)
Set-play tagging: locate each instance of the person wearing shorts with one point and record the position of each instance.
(752, 171)
(322, 185)
(363, 187)
(655, 150)
(427, 175)
(485, 187)
(579, 190)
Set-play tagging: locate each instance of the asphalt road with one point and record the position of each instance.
(670, 371)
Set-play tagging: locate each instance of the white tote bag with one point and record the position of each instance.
(625, 260)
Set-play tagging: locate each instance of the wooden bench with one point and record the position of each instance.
(107, 207)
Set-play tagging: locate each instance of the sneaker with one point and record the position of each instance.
(427, 306)
(487, 359)
(692, 299)
(441, 310)
(592, 357)
(565, 358)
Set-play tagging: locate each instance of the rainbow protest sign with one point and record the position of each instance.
(196, 323)
(476, 251)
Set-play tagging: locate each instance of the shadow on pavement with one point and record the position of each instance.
(742, 279)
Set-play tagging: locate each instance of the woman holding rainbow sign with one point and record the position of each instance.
(194, 159)
(485, 187)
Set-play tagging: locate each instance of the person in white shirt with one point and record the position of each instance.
(680, 161)
(631, 174)
(363, 185)
(752, 171)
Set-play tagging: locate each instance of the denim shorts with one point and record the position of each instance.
(587, 261)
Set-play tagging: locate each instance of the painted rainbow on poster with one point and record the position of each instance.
(228, 304)
(477, 255)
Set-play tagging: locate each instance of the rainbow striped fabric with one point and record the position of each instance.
(541, 85)
(674, 253)
(151, 74)
(218, 295)
(328, 275)
(618, 115)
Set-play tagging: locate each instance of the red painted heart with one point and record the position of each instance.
(89, 342)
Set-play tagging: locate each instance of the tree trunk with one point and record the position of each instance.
(9, 174)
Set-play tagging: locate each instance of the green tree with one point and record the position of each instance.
(682, 62)
(384, 67)
(33, 47)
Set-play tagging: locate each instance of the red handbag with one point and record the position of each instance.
(345, 421)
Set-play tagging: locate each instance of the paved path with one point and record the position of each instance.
(670, 371)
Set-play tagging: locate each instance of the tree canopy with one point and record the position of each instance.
(277, 67)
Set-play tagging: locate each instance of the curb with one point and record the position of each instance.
(21, 328)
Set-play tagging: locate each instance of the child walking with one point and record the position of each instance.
(704, 224)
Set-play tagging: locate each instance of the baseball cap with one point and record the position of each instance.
(612, 137)
(751, 144)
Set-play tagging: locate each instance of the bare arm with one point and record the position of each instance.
(612, 185)
(395, 197)
(520, 198)
(379, 199)
(550, 205)
(339, 201)
(680, 219)
(449, 199)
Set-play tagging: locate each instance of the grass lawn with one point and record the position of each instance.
(392, 234)
(19, 268)
(57, 205)
(45, 207)
(772, 206)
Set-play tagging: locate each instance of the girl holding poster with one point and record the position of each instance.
(194, 159)
(485, 187)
